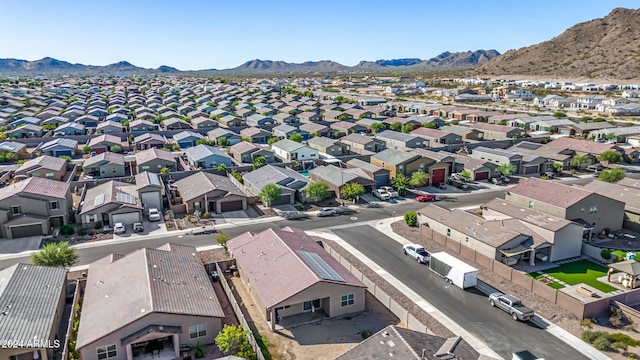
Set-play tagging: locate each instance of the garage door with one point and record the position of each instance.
(481, 175)
(126, 218)
(531, 169)
(151, 200)
(231, 205)
(62, 153)
(382, 180)
(26, 230)
(437, 176)
(284, 200)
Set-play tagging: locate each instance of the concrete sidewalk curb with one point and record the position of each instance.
(384, 226)
(476, 343)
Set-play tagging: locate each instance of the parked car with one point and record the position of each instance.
(426, 197)
(390, 191)
(119, 228)
(154, 215)
(511, 305)
(381, 194)
(417, 252)
(326, 212)
(441, 185)
(138, 227)
(548, 174)
(459, 177)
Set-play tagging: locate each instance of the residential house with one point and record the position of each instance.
(150, 191)
(256, 134)
(70, 129)
(594, 211)
(161, 317)
(584, 129)
(34, 206)
(44, 166)
(109, 127)
(551, 125)
(88, 121)
(104, 165)
(203, 123)
(524, 163)
(232, 121)
(289, 151)
(361, 144)
(498, 132)
(103, 143)
(400, 141)
(142, 126)
(291, 183)
(16, 148)
(478, 169)
(439, 166)
(35, 298)
(259, 120)
(621, 133)
(218, 133)
(110, 203)
(315, 129)
(346, 127)
(28, 120)
(309, 117)
(148, 141)
(25, 131)
(368, 170)
(285, 131)
(187, 139)
(465, 132)
(335, 178)
(400, 162)
(328, 146)
(153, 160)
(621, 191)
(322, 284)
(207, 157)
(437, 138)
(117, 117)
(285, 118)
(206, 192)
(409, 344)
(336, 115)
(59, 147)
(246, 153)
(176, 124)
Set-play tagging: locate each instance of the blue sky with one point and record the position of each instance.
(192, 35)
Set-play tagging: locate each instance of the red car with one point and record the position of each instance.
(426, 197)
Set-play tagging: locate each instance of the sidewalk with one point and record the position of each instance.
(384, 226)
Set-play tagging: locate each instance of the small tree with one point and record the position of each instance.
(234, 340)
(418, 179)
(273, 140)
(406, 128)
(55, 254)
(202, 142)
(429, 125)
(116, 148)
(86, 149)
(396, 126)
(507, 169)
(610, 157)
(296, 137)
(351, 190)
(465, 174)
(165, 171)
(222, 141)
(222, 167)
(222, 239)
(612, 175)
(557, 167)
(270, 193)
(401, 183)
(236, 175)
(378, 127)
(259, 162)
(579, 161)
(411, 218)
(317, 191)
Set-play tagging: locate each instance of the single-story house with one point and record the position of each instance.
(336, 178)
(154, 160)
(25, 131)
(59, 147)
(400, 162)
(207, 157)
(245, 152)
(362, 144)
(148, 141)
(256, 134)
(328, 146)
(215, 134)
(203, 123)
(142, 125)
(105, 165)
(110, 203)
(437, 138)
(292, 183)
(373, 172)
(186, 139)
(400, 141)
(498, 132)
(19, 149)
(109, 127)
(44, 166)
(69, 129)
(209, 193)
(176, 124)
(103, 143)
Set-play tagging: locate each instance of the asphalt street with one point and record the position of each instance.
(469, 308)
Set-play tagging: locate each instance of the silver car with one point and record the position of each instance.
(326, 212)
(417, 252)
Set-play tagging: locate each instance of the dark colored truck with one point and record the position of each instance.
(511, 305)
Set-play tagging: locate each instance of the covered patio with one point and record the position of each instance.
(628, 272)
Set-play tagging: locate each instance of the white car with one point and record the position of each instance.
(381, 194)
(154, 215)
(326, 212)
(390, 191)
(417, 252)
(119, 228)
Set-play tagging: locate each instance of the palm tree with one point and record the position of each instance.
(579, 160)
(55, 254)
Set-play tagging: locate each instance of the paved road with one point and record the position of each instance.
(468, 308)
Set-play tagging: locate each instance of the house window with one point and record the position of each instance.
(53, 205)
(92, 218)
(448, 232)
(401, 168)
(159, 166)
(197, 331)
(593, 210)
(581, 210)
(106, 352)
(48, 175)
(530, 204)
(196, 205)
(347, 300)
(145, 167)
(16, 210)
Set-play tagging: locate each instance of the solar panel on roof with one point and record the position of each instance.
(153, 179)
(99, 200)
(319, 266)
(125, 198)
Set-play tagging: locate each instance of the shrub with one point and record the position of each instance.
(595, 320)
(206, 215)
(366, 334)
(81, 231)
(586, 323)
(602, 342)
(624, 338)
(199, 352)
(411, 218)
(67, 229)
(616, 317)
(605, 254)
(619, 346)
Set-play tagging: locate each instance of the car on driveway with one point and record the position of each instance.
(426, 197)
(154, 215)
(138, 227)
(326, 212)
(441, 186)
(119, 228)
(417, 252)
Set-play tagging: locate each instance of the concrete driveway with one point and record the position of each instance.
(20, 245)
(151, 228)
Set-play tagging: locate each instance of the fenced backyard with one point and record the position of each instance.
(573, 273)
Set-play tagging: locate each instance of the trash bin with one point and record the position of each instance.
(214, 276)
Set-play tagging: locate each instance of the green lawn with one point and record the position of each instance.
(581, 271)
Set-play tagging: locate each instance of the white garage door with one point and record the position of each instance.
(126, 218)
(151, 200)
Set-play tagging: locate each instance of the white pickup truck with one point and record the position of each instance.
(390, 191)
(381, 194)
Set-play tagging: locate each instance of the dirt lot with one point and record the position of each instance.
(552, 312)
(325, 340)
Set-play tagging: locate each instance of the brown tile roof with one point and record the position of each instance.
(122, 289)
(269, 259)
(244, 146)
(531, 216)
(493, 127)
(550, 192)
(152, 154)
(630, 196)
(430, 132)
(42, 162)
(105, 138)
(36, 186)
(201, 183)
(583, 146)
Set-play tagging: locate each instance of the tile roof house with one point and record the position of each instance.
(292, 183)
(186, 139)
(19, 149)
(70, 129)
(109, 127)
(400, 162)
(289, 151)
(33, 206)
(400, 141)
(110, 203)
(207, 157)
(44, 166)
(215, 134)
(479, 169)
(25, 131)
(498, 132)
(170, 301)
(368, 170)
(596, 211)
(203, 123)
(142, 125)
(336, 177)
(363, 145)
(147, 141)
(256, 134)
(437, 138)
(103, 143)
(59, 147)
(154, 160)
(394, 342)
(267, 259)
(245, 152)
(328, 146)
(624, 191)
(209, 193)
(176, 124)
(35, 298)
(104, 165)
